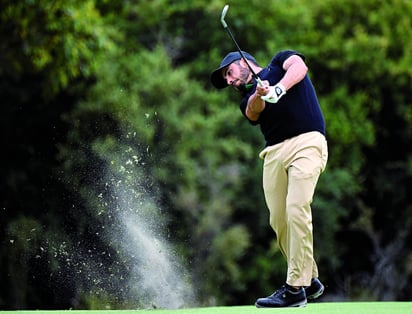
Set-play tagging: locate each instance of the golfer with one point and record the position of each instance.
(286, 108)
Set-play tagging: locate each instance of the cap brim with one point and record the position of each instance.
(217, 78)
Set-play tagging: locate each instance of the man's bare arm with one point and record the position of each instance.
(296, 70)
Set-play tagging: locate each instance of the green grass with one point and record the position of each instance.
(313, 308)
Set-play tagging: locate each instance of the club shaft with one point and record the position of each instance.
(226, 27)
(240, 51)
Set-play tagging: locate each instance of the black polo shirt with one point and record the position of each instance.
(297, 112)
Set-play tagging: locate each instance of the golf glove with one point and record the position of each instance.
(275, 92)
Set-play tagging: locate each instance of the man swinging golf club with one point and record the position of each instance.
(281, 99)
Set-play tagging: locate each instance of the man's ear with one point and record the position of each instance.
(243, 63)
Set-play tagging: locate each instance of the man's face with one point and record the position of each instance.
(237, 74)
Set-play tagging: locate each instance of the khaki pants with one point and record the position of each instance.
(290, 174)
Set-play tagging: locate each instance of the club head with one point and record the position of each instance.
(224, 12)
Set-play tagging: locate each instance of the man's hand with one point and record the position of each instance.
(274, 94)
(266, 93)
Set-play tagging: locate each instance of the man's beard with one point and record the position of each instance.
(245, 78)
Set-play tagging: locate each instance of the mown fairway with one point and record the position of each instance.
(316, 308)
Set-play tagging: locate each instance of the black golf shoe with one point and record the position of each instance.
(284, 297)
(315, 289)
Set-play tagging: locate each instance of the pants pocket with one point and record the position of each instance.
(324, 153)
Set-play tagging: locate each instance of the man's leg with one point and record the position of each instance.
(299, 227)
(275, 185)
(305, 168)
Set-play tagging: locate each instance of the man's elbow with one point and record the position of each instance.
(301, 66)
(296, 63)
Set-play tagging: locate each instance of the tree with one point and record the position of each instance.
(46, 54)
(371, 83)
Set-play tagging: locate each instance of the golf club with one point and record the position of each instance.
(272, 95)
(226, 27)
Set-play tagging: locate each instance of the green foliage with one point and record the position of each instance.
(334, 196)
(56, 38)
(226, 250)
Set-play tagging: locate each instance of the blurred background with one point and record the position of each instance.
(115, 145)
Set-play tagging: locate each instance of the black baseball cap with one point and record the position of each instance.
(217, 78)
